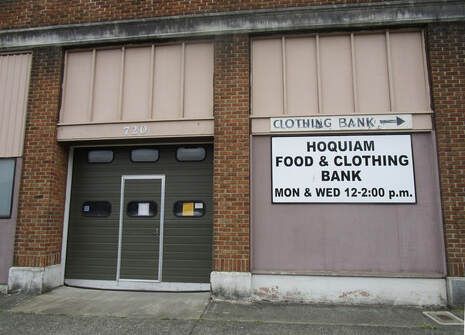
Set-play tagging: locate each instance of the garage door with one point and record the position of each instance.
(141, 214)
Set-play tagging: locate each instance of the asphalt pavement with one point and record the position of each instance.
(68, 310)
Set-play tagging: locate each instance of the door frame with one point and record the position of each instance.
(160, 177)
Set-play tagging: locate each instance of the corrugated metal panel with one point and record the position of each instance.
(137, 84)
(198, 72)
(375, 73)
(167, 95)
(149, 83)
(372, 74)
(336, 75)
(302, 90)
(267, 78)
(14, 85)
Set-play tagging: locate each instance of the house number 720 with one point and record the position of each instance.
(135, 130)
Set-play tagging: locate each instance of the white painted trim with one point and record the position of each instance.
(64, 239)
(120, 229)
(162, 229)
(327, 289)
(138, 285)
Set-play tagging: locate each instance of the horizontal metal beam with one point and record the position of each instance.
(387, 13)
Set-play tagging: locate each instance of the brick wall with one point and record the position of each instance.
(231, 150)
(446, 51)
(15, 14)
(43, 183)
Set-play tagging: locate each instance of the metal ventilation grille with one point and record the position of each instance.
(444, 318)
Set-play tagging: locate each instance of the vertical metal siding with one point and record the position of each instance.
(148, 83)
(375, 73)
(14, 84)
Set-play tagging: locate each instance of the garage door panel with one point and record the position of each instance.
(93, 242)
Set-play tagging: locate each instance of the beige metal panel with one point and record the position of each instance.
(77, 87)
(14, 84)
(167, 101)
(301, 76)
(107, 86)
(198, 86)
(408, 72)
(267, 77)
(336, 75)
(371, 74)
(154, 129)
(137, 84)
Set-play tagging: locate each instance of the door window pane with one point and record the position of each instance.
(7, 175)
(100, 156)
(96, 208)
(142, 208)
(190, 154)
(189, 208)
(144, 155)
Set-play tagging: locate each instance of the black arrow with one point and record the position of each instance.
(397, 121)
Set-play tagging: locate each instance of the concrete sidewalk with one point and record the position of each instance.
(69, 310)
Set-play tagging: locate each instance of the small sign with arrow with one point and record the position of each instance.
(398, 121)
(342, 123)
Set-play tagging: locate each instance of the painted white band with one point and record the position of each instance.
(325, 289)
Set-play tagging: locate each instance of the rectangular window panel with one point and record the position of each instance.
(191, 154)
(100, 156)
(142, 208)
(7, 174)
(189, 208)
(144, 155)
(96, 208)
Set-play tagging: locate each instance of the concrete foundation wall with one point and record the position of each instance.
(323, 289)
(35, 279)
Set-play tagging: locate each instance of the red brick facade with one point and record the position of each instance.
(26, 13)
(39, 227)
(231, 164)
(43, 182)
(446, 46)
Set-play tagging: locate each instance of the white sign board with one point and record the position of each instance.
(343, 169)
(143, 209)
(341, 123)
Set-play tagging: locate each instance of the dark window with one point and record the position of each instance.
(142, 208)
(7, 176)
(100, 156)
(189, 208)
(96, 208)
(144, 155)
(190, 154)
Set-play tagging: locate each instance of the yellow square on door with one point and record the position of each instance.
(188, 209)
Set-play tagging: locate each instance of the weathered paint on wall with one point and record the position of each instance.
(368, 239)
(7, 229)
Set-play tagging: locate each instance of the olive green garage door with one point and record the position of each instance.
(140, 215)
